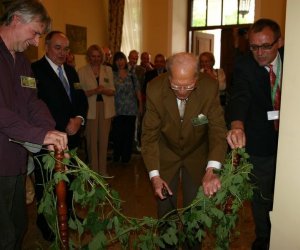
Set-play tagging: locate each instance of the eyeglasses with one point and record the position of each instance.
(187, 88)
(265, 46)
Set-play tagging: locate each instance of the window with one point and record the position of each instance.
(207, 13)
(131, 35)
(207, 19)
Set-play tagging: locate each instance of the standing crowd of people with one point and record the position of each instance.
(149, 107)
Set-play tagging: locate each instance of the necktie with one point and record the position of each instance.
(181, 108)
(64, 81)
(275, 93)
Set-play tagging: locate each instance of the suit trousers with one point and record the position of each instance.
(13, 214)
(123, 135)
(97, 133)
(263, 178)
(189, 192)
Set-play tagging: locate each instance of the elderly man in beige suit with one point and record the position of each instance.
(184, 132)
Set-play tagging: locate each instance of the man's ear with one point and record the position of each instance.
(15, 19)
(280, 42)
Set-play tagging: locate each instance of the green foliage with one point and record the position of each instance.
(107, 224)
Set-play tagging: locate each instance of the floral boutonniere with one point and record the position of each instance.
(199, 120)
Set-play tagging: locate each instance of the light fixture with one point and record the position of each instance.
(244, 6)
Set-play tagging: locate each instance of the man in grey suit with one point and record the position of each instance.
(184, 132)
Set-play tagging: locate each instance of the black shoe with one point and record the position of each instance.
(261, 244)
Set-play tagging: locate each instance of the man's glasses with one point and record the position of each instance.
(187, 88)
(265, 46)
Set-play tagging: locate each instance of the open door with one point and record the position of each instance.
(202, 42)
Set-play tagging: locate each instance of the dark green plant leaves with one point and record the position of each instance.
(107, 224)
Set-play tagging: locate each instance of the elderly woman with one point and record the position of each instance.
(128, 103)
(96, 80)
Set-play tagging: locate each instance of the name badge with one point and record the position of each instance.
(28, 82)
(273, 115)
(77, 85)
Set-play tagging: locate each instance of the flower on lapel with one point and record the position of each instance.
(199, 120)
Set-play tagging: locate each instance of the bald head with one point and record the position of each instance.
(183, 73)
(133, 57)
(183, 63)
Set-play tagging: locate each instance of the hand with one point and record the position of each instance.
(73, 125)
(211, 182)
(210, 72)
(149, 67)
(158, 184)
(236, 138)
(56, 138)
(99, 89)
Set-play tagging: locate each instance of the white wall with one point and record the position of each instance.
(286, 212)
(179, 26)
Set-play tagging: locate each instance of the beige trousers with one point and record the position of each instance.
(97, 132)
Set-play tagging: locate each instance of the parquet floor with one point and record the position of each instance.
(133, 185)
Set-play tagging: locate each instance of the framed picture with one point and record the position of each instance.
(77, 36)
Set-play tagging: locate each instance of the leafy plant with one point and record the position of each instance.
(106, 224)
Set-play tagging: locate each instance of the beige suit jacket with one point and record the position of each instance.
(168, 143)
(88, 81)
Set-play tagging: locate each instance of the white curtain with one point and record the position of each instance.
(132, 23)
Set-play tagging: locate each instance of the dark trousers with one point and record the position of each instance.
(123, 128)
(189, 192)
(263, 178)
(13, 214)
(39, 174)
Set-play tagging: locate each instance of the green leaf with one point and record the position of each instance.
(233, 190)
(48, 162)
(99, 241)
(237, 179)
(59, 176)
(217, 212)
(206, 220)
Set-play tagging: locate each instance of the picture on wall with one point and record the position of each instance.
(77, 36)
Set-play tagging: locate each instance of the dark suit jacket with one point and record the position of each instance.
(250, 100)
(52, 92)
(149, 75)
(168, 143)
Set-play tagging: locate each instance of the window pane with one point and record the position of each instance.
(199, 13)
(230, 10)
(214, 12)
(247, 17)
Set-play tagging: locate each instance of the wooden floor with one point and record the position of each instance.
(133, 185)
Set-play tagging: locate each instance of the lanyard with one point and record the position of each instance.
(277, 80)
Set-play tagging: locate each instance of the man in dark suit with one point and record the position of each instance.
(253, 113)
(159, 68)
(184, 132)
(56, 84)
